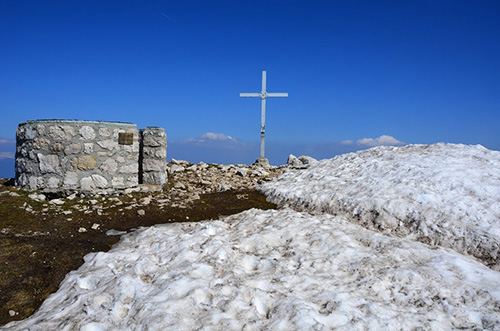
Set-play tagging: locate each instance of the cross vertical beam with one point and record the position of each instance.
(263, 95)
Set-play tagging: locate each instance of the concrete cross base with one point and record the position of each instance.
(262, 162)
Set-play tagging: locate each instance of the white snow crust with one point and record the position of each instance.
(279, 270)
(310, 270)
(442, 194)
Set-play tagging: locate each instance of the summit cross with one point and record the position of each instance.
(263, 95)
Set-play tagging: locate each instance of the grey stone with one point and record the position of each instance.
(70, 179)
(129, 169)
(49, 163)
(109, 166)
(132, 181)
(154, 165)
(105, 132)
(37, 197)
(117, 182)
(72, 149)
(87, 132)
(175, 168)
(88, 148)
(241, 171)
(180, 185)
(87, 184)
(53, 182)
(36, 183)
(61, 132)
(154, 178)
(93, 182)
(108, 144)
(100, 181)
(301, 162)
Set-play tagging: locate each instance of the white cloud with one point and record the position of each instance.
(4, 141)
(347, 142)
(383, 140)
(216, 136)
(6, 155)
(212, 138)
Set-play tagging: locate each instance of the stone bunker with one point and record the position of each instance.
(72, 155)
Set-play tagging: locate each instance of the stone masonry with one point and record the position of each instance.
(70, 155)
(153, 155)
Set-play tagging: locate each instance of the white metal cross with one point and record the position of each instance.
(263, 95)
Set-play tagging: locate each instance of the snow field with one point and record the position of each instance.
(442, 194)
(279, 270)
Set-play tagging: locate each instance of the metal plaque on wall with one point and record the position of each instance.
(125, 138)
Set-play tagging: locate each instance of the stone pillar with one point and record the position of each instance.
(154, 156)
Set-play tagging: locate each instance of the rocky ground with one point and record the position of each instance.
(44, 236)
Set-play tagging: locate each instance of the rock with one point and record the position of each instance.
(223, 187)
(141, 212)
(72, 149)
(87, 132)
(70, 179)
(100, 182)
(53, 182)
(242, 172)
(57, 202)
(153, 165)
(179, 185)
(86, 162)
(82, 230)
(95, 226)
(108, 144)
(12, 313)
(307, 160)
(49, 163)
(301, 162)
(145, 201)
(113, 232)
(179, 162)
(109, 166)
(93, 182)
(205, 182)
(14, 194)
(175, 168)
(194, 167)
(36, 197)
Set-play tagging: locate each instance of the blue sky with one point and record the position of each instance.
(418, 71)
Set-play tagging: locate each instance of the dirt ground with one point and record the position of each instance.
(41, 241)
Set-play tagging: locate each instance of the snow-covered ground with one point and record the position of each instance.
(280, 270)
(442, 194)
(289, 270)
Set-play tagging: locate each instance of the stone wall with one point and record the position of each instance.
(55, 155)
(153, 156)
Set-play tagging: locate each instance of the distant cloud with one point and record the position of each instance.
(217, 136)
(4, 141)
(383, 140)
(210, 138)
(6, 155)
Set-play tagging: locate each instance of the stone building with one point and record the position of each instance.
(70, 155)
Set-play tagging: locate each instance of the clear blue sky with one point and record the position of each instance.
(419, 71)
